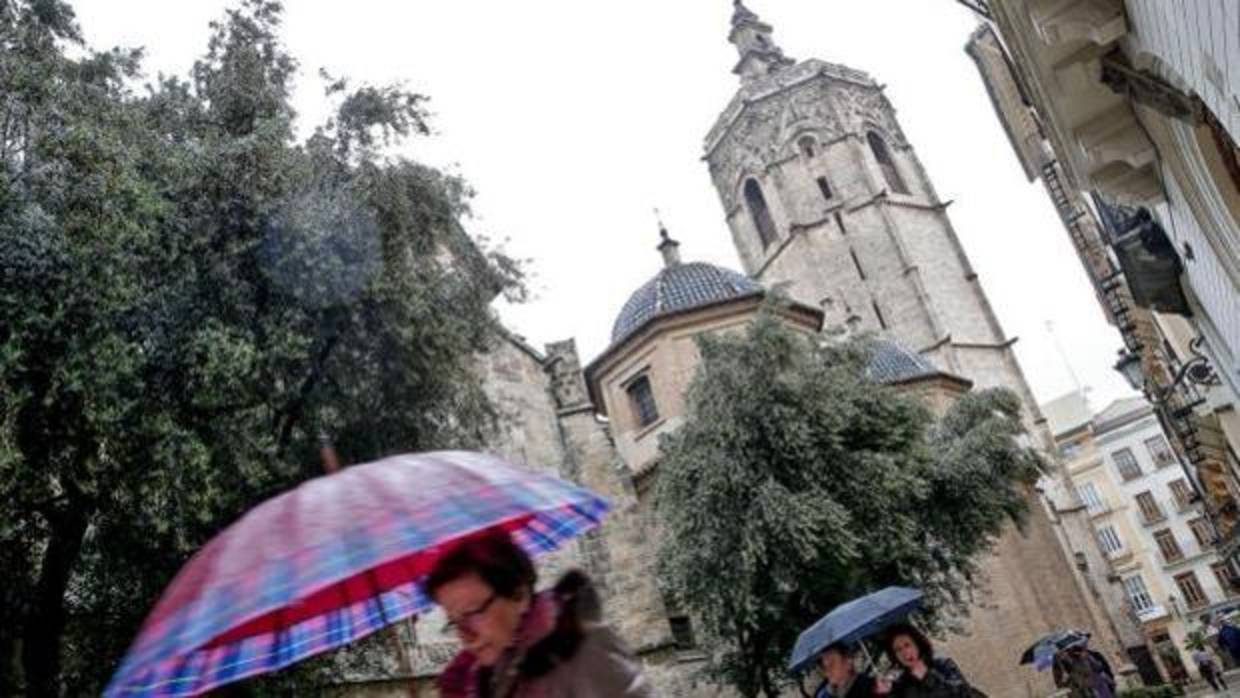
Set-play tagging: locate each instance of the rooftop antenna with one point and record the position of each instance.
(1063, 356)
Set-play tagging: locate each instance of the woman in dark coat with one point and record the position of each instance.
(523, 644)
(923, 675)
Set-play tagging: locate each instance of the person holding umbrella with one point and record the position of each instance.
(523, 644)
(348, 554)
(923, 675)
(1077, 669)
(840, 676)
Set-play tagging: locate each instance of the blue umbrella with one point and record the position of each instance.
(1041, 654)
(854, 621)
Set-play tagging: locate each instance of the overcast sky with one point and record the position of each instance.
(573, 119)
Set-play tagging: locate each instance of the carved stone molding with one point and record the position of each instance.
(1100, 22)
(1120, 158)
(568, 386)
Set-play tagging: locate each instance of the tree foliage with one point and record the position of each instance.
(819, 485)
(189, 298)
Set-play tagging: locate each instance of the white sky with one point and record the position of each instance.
(573, 119)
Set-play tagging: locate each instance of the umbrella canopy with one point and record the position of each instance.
(334, 560)
(1042, 652)
(854, 621)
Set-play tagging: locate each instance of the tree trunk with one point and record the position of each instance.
(41, 645)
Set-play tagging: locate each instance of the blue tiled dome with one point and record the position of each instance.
(677, 288)
(892, 363)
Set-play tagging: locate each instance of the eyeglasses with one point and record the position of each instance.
(464, 622)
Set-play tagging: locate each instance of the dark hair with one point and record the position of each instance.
(494, 557)
(846, 650)
(925, 650)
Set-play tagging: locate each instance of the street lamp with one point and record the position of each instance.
(1129, 366)
(1196, 370)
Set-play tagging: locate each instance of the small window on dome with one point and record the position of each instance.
(641, 401)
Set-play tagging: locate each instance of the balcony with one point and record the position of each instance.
(1151, 613)
(1184, 506)
(1163, 459)
(1101, 509)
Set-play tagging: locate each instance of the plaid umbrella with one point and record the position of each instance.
(334, 560)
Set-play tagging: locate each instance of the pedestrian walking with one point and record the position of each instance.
(1078, 670)
(1229, 639)
(922, 675)
(522, 644)
(840, 676)
(1209, 669)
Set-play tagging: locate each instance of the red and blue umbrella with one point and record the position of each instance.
(335, 560)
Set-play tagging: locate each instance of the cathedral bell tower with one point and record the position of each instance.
(826, 199)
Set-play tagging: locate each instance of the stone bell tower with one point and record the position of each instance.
(826, 199)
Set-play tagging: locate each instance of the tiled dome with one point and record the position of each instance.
(680, 287)
(892, 363)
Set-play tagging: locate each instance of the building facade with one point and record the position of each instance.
(1129, 115)
(1147, 516)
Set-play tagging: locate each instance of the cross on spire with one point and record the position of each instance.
(669, 248)
(759, 54)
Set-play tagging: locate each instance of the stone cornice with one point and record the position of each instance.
(775, 84)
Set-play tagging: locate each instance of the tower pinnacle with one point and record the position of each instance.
(759, 55)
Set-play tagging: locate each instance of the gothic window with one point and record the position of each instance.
(806, 145)
(824, 187)
(761, 214)
(890, 173)
(641, 400)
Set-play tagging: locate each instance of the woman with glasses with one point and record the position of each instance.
(518, 643)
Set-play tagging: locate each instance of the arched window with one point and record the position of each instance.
(806, 145)
(894, 181)
(759, 212)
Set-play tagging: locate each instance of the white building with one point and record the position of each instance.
(1146, 514)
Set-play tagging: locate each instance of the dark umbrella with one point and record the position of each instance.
(1043, 651)
(852, 621)
(334, 560)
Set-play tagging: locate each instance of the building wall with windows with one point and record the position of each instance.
(1148, 523)
(1136, 102)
